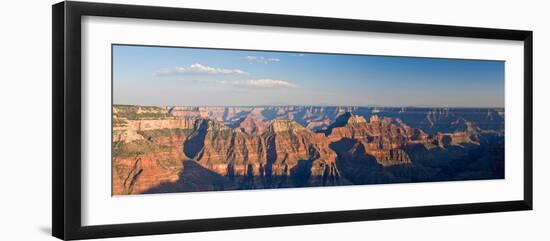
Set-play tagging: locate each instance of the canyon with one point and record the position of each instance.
(188, 149)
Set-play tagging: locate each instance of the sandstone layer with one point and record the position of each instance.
(182, 149)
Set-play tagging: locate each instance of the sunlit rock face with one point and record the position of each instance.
(183, 149)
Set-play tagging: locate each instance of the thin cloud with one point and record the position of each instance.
(199, 69)
(260, 59)
(298, 55)
(261, 83)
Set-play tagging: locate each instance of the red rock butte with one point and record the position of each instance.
(185, 149)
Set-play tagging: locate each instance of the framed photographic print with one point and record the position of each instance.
(170, 120)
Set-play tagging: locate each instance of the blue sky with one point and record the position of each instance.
(145, 75)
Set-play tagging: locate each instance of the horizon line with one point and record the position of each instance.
(291, 105)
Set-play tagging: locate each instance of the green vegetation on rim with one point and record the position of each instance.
(132, 112)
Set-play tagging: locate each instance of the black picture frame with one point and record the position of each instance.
(66, 168)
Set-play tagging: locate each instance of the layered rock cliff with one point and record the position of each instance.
(285, 149)
(381, 138)
(180, 149)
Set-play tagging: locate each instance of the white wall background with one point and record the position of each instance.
(25, 104)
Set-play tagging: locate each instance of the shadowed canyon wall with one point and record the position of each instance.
(184, 149)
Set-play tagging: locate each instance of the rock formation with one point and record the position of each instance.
(180, 149)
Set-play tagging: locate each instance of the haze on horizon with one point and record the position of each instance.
(167, 76)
